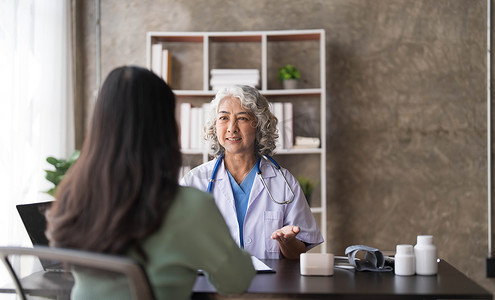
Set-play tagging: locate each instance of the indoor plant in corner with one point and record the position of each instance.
(307, 187)
(289, 76)
(61, 167)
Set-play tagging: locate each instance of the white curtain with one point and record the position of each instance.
(36, 104)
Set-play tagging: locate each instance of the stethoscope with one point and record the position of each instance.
(267, 158)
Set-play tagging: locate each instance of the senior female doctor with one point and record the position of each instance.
(263, 206)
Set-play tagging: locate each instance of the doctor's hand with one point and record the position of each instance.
(290, 247)
(285, 234)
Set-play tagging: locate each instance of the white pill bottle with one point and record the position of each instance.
(404, 260)
(426, 256)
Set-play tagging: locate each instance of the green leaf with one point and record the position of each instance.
(52, 160)
(288, 72)
(51, 192)
(61, 168)
(52, 176)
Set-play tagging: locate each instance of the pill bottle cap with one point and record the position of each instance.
(404, 249)
(425, 239)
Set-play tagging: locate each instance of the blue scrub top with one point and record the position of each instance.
(241, 196)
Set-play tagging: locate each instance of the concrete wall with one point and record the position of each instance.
(406, 100)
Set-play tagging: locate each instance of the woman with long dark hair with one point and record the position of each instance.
(122, 197)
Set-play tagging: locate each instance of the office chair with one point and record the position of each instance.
(138, 280)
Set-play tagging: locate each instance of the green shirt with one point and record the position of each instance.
(193, 236)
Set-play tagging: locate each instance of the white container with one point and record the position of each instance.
(404, 262)
(426, 256)
(316, 264)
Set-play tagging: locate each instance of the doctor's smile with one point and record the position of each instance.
(233, 140)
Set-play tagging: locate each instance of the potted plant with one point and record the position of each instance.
(307, 186)
(61, 167)
(289, 76)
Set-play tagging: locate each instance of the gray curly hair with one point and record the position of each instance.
(258, 105)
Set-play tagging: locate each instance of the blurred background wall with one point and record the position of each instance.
(406, 106)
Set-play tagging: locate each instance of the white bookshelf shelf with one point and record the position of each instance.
(300, 151)
(316, 210)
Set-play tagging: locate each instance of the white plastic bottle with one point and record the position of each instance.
(426, 256)
(404, 262)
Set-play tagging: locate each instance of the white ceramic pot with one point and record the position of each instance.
(290, 84)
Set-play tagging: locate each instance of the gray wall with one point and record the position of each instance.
(406, 86)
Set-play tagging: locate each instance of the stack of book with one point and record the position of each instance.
(161, 62)
(221, 78)
(192, 121)
(304, 142)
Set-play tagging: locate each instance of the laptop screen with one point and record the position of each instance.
(33, 218)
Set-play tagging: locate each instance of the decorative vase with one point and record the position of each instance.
(290, 84)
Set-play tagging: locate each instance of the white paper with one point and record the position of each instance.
(260, 266)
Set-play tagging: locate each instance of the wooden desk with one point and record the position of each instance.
(288, 283)
(449, 283)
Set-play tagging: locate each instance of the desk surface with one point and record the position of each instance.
(449, 283)
(45, 284)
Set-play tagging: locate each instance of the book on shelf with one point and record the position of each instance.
(278, 111)
(166, 70)
(192, 122)
(216, 88)
(206, 110)
(234, 72)
(185, 125)
(229, 77)
(234, 81)
(161, 62)
(195, 127)
(304, 142)
(156, 59)
(288, 126)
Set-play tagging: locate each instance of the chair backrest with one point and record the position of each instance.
(140, 286)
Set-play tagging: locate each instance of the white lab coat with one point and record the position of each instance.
(263, 216)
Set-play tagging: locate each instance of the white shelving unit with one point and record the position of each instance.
(194, 54)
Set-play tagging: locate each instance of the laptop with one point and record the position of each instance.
(33, 218)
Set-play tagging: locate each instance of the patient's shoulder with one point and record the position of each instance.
(191, 198)
(192, 192)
